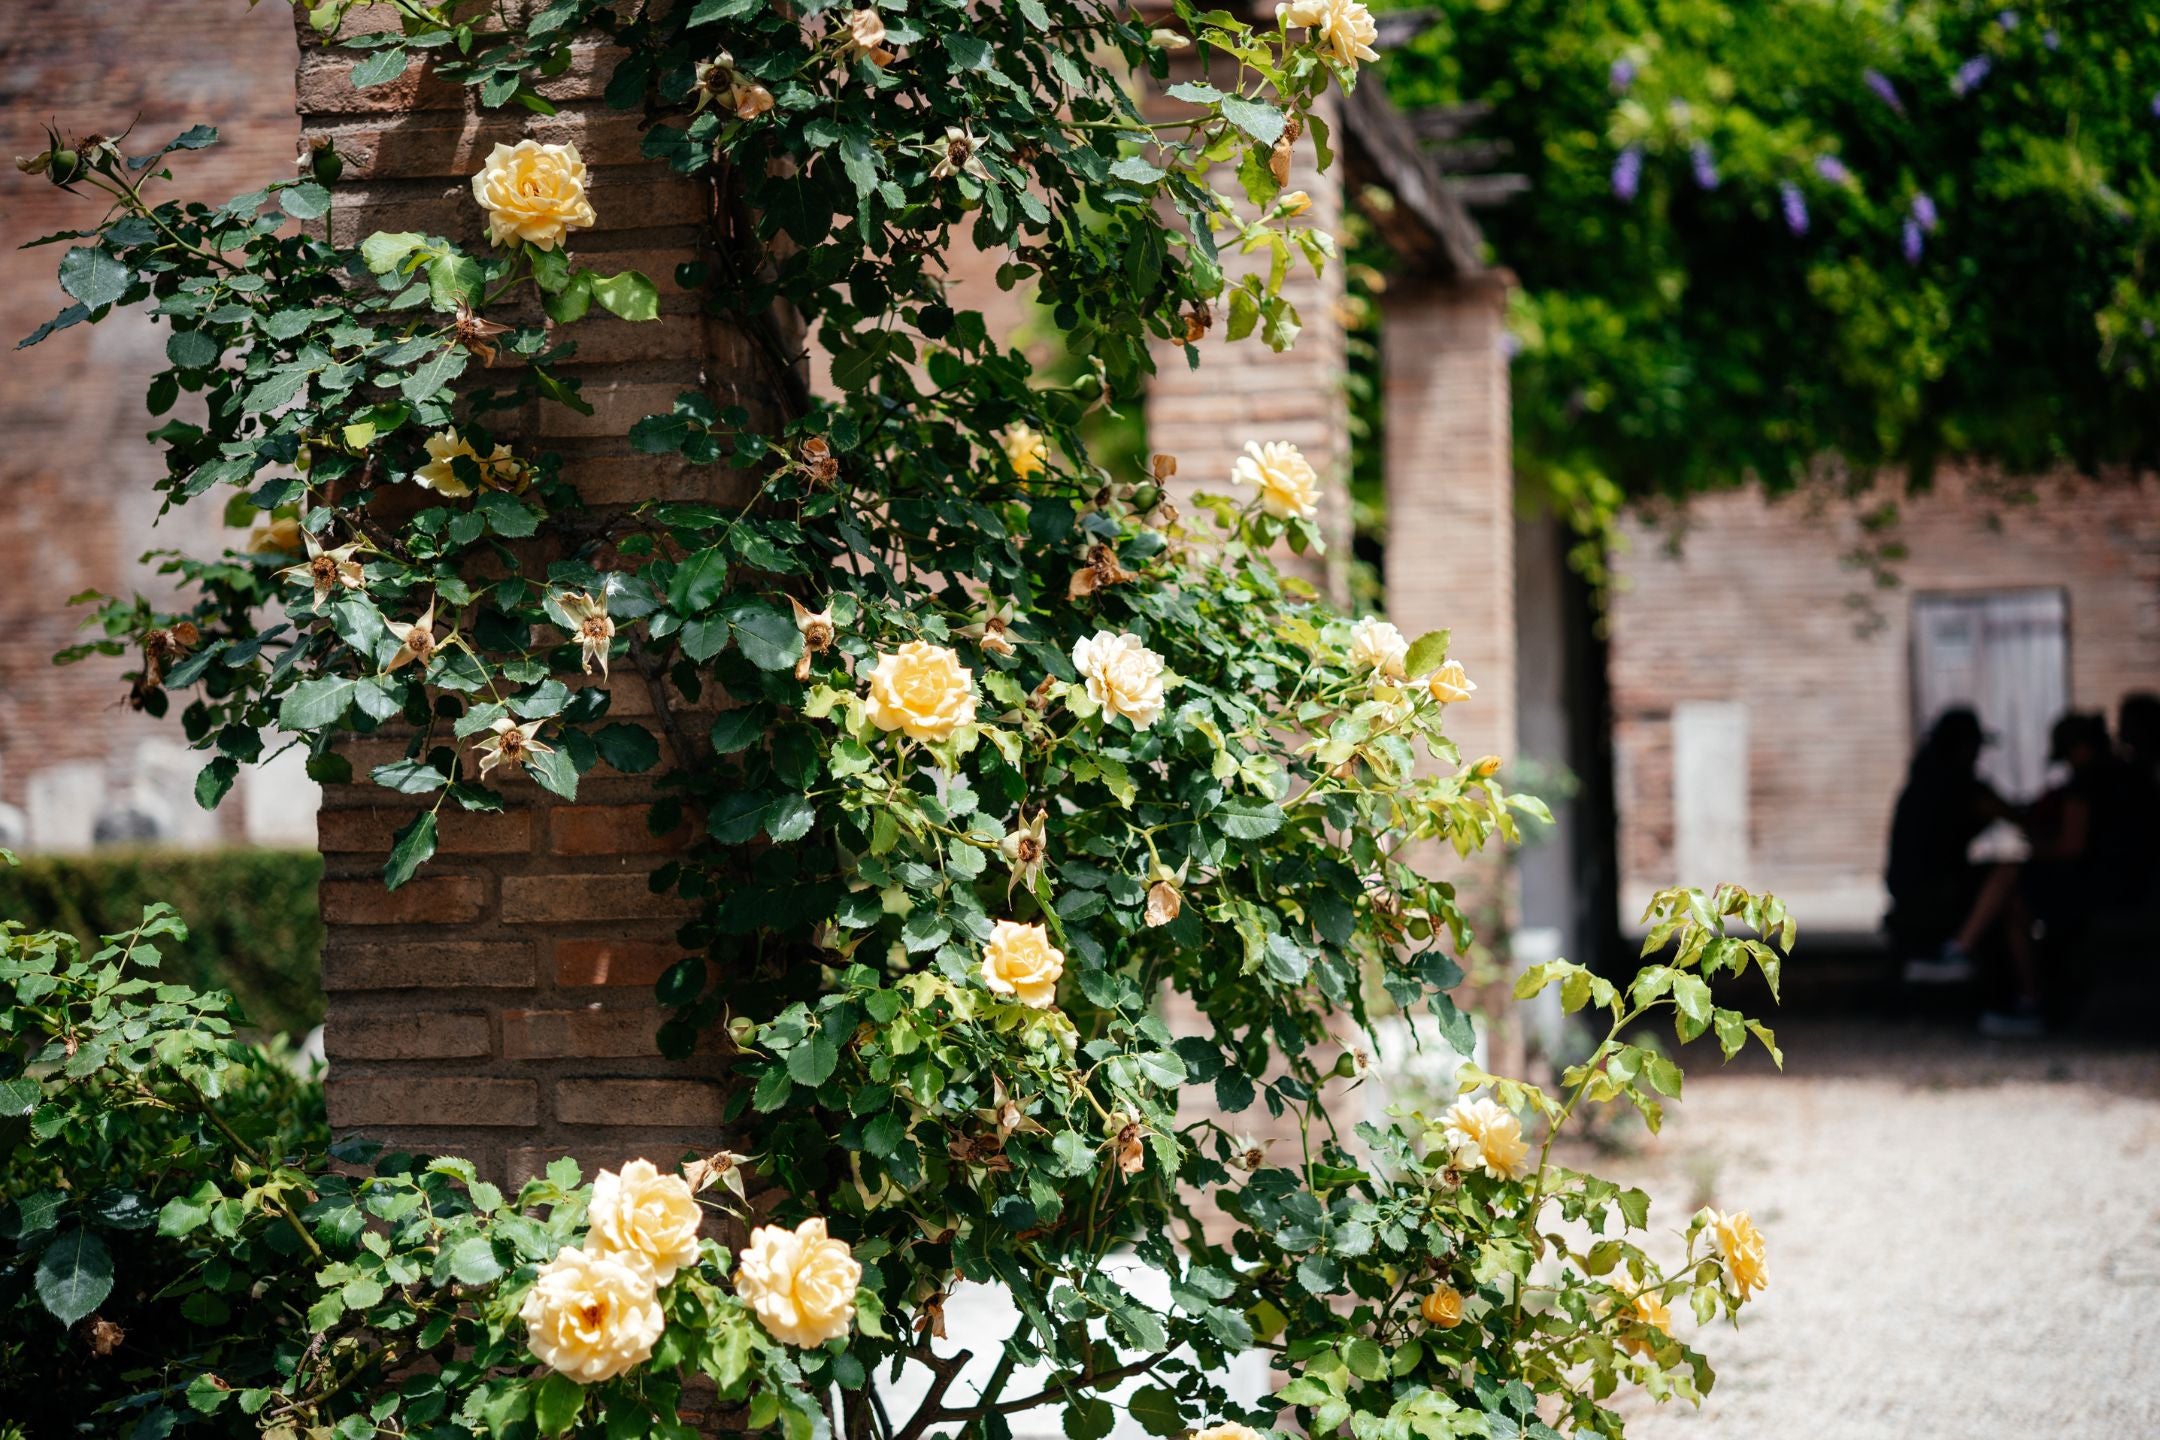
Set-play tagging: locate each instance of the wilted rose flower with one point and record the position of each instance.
(511, 744)
(921, 689)
(533, 193)
(591, 628)
(800, 1283)
(817, 631)
(956, 156)
(642, 1217)
(748, 99)
(1163, 904)
(1025, 851)
(416, 642)
(866, 38)
(326, 570)
(1019, 960)
(590, 1316)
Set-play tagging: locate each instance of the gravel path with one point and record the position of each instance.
(1964, 1236)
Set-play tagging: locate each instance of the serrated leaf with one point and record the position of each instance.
(1256, 118)
(305, 201)
(94, 276)
(628, 295)
(413, 847)
(380, 68)
(74, 1275)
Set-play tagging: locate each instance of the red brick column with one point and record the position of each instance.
(499, 1005)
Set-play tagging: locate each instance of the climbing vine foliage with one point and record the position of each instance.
(1058, 850)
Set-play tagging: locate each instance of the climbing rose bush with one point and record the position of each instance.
(988, 748)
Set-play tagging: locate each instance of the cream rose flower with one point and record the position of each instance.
(1283, 477)
(1486, 1137)
(1740, 1246)
(1647, 1309)
(1442, 1306)
(1019, 960)
(1379, 647)
(1343, 28)
(642, 1217)
(1228, 1430)
(921, 689)
(1123, 676)
(533, 193)
(800, 1283)
(440, 473)
(1449, 684)
(591, 1316)
(1025, 449)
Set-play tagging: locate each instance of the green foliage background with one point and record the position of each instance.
(252, 923)
(1688, 339)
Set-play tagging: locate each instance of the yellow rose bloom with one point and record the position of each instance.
(1379, 647)
(800, 1283)
(1294, 203)
(1449, 684)
(440, 474)
(1229, 1430)
(1442, 1307)
(1648, 1309)
(591, 1316)
(533, 193)
(1343, 28)
(1740, 1246)
(921, 689)
(1020, 961)
(642, 1217)
(1123, 676)
(1283, 477)
(1486, 1137)
(1025, 449)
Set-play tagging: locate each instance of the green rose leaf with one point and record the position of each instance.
(74, 1275)
(94, 276)
(629, 295)
(413, 847)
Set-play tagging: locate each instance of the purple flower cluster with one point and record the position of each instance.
(1924, 212)
(1622, 75)
(1884, 90)
(1970, 74)
(1705, 165)
(1627, 173)
(1912, 242)
(2050, 39)
(1833, 170)
(2008, 19)
(1794, 205)
(2156, 104)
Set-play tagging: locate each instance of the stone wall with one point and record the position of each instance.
(1755, 612)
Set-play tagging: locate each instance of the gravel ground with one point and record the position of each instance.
(1964, 1236)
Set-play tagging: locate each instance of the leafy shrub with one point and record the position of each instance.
(1012, 746)
(252, 923)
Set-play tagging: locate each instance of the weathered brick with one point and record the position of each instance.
(427, 900)
(458, 832)
(662, 1104)
(609, 830)
(369, 1102)
(613, 961)
(425, 965)
(557, 899)
(588, 1032)
(408, 1035)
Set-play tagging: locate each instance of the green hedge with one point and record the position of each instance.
(252, 924)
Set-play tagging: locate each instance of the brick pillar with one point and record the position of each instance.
(1244, 391)
(499, 1006)
(1451, 490)
(1450, 559)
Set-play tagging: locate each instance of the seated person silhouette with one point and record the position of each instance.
(1943, 907)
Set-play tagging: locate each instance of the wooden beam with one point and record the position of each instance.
(1422, 219)
(1482, 191)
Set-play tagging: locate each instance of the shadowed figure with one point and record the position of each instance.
(1943, 907)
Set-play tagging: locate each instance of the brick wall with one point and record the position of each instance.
(1754, 608)
(500, 1006)
(74, 467)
